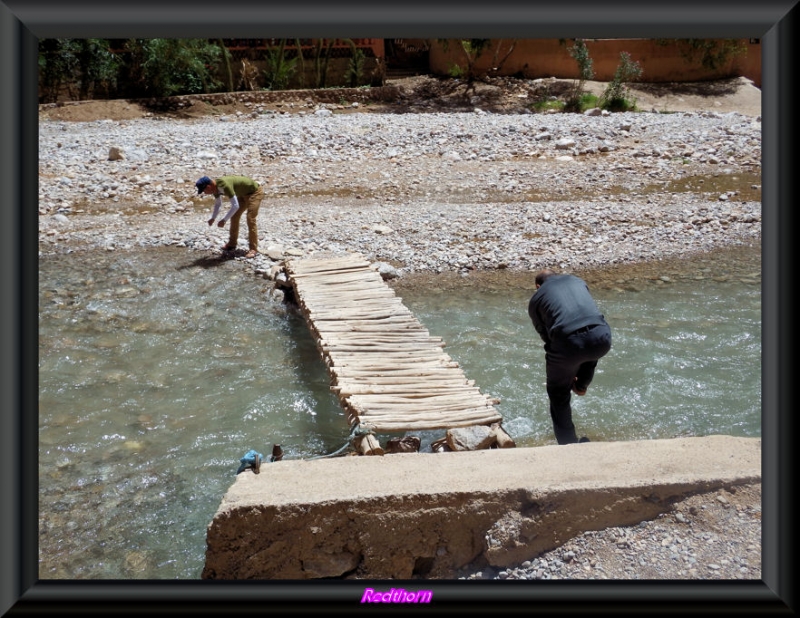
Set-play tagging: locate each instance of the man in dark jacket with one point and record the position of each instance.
(575, 336)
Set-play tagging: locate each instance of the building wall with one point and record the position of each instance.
(660, 62)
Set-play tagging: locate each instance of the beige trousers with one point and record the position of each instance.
(250, 204)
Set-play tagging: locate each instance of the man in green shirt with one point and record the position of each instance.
(245, 195)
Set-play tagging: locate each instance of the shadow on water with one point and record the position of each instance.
(208, 261)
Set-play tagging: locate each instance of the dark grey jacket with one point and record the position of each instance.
(562, 305)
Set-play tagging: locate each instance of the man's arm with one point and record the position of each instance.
(215, 212)
(538, 324)
(234, 207)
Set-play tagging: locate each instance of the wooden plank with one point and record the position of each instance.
(329, 281)
(408, 425)
(373, 390)
(467, 413)
(393, 363)
(390, 339)
(458, 408)
(428, 371)
(371, 313)
(381, 367)
(340, 287)
(378, 389)
(324, 266)
(363, 406)
(425, 394)
(321, 296)
(394, 324)
(400, 355)
(389, 350)
(481, 417)
(385, 367)
(345, 306)
(335, 275)
(363, 291)
(432, 397)
(342, 260)
(401, 340)
(405, 376)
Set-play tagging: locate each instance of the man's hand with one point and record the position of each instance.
(211, 222)
(221, 223)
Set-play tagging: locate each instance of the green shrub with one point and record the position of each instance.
(455, 71)
(355, 67)
(580, 52)
(279, 69)
(616, 96)
(167, 67)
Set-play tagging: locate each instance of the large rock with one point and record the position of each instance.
(428, 514)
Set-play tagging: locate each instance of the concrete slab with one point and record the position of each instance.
(426, 514)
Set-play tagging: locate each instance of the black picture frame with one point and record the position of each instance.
(23, 22)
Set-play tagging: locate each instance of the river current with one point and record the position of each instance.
(159, 369)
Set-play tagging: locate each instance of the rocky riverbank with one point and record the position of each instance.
(441, 194)
(708, 536)
(423, 192)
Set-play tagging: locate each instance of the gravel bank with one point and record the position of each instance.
(444, 193)
(708, 536)
(426, 193)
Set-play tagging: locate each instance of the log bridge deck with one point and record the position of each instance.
(389, 372)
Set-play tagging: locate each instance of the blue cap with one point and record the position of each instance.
(202, 184)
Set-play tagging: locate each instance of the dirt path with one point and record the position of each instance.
(734, 95)
(425, 93)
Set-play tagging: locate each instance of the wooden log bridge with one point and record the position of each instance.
(389, 372)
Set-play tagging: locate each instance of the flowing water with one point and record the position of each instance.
(159, 370)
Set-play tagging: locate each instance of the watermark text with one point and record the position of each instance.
(396, 595)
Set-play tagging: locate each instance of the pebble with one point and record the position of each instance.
(422, 192)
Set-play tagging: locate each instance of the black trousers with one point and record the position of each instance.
(574, 356)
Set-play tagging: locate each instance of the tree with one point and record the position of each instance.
(356, 65)
(469, 50)
(85, 63)
(497, 62)
(322, 53)
(301, 61)
(57, 66)
(226, 62)
(279, 69)
(167, 67)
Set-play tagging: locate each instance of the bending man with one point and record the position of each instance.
(575, 336)
(245, 195)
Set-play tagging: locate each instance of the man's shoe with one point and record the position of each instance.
(583, 439)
